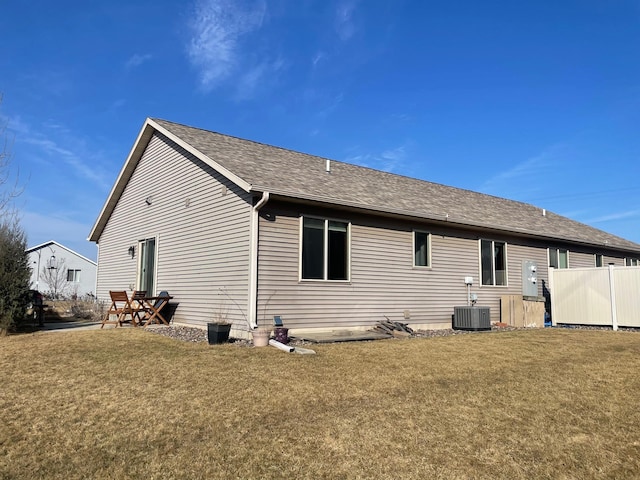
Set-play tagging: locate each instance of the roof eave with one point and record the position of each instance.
(443, 219)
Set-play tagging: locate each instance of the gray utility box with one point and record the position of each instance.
(471, 318)
(529, 278)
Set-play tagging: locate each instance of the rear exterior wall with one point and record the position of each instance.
(579, 258)
(383, 280)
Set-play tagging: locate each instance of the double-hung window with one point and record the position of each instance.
(493, 262)
(631, 262)
(558, 258)
(73, 275)
(421, 249)
(325, 249)
(599, 260)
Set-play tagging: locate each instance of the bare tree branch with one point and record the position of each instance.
(9, 189)
(54, 274)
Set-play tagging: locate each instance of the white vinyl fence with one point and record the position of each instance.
(595, 296)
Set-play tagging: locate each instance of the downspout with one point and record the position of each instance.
(95, 291)
(253, 261)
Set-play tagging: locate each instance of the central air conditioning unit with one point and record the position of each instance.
(471, 318)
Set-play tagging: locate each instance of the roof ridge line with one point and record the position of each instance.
(355, 165)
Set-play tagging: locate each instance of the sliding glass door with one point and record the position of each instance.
(147, 266)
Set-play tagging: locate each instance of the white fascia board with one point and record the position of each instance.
(201, 156)
(53, 242)
(38, 247)
(123, 178)
(148, 128)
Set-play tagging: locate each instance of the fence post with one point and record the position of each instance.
(612, 290)
(551, 297)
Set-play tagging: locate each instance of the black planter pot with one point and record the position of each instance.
(218, 332)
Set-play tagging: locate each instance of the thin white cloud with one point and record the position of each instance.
(217, 28)
(331, 106)
(575, 214)
(138, 59)
(527, 172)
(52, 149)
(318, 57)
(14, 125)
(391, 160)
(260, 74)
(344, 24)
(615, 216)
(401, 117)
(66, 148)
(117, 104)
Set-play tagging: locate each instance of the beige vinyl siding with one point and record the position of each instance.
(587, 259)
(608, 259)
(617, 261)
(581, 259)
(383, 279)
(201, 221)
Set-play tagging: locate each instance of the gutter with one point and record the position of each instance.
(443, 218)
(253, 261)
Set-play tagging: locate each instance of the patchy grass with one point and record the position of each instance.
(123, 403)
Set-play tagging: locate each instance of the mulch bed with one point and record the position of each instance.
(193, 334)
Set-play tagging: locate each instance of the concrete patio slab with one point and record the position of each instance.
(341, 336)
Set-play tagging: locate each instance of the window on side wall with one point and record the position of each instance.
(558, 258)
(325, 249)
(631, 262)
(421, 249)
(493, 262)
(73, 275)
(599, 260)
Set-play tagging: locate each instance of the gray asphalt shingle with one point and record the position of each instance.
(299, 175)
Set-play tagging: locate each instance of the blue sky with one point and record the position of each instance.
(532, 101)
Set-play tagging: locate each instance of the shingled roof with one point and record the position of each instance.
(286, 173)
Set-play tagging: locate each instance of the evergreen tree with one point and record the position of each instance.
(15, 275)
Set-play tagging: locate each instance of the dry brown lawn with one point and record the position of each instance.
(125, 403)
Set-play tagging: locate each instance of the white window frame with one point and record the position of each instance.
(631, 262)
(557, 250)
(493, 263)
(155, 264)
(413, 252)
(76, 275)
(326, 221)
(595, 260)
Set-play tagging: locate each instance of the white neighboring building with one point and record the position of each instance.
(59, 271)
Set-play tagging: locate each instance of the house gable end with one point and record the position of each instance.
(53, 242)
(146, 133)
